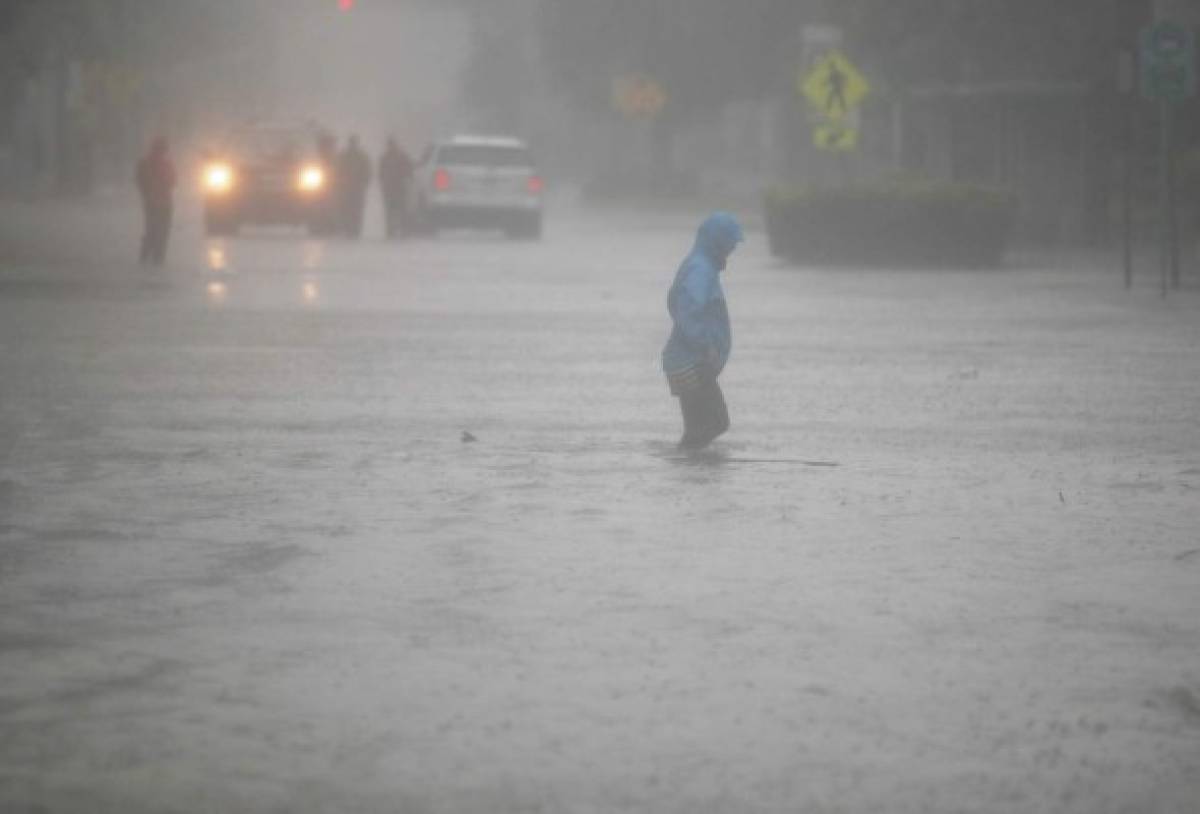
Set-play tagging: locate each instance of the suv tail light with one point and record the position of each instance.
(535, 185)
(441, 180)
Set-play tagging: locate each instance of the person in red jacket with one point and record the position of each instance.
(156, 183)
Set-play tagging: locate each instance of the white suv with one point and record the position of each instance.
(479, 182)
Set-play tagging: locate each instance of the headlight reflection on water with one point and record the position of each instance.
(217, 292)
(312, 255)
(217, 260)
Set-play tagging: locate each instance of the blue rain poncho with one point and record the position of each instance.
(701, 333)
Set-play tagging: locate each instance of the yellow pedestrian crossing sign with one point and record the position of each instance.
(836, 137)
(834, 86)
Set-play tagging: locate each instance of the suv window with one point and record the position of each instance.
(485, 155)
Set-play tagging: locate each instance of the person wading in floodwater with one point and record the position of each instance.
(156, 184)
(701, 338)
(395, 178)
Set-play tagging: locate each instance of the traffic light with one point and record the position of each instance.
(345, 5)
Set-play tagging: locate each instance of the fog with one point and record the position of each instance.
(193, 70)
(669, 99)
(700, 406)
(391, 69)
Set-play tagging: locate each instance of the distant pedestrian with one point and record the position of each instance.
(156, 185)
(395, 178)
(701, 338)
(329, 216)
(353, 176)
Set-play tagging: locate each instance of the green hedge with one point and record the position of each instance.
(893, 223)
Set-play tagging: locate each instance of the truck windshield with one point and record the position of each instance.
(270, 145)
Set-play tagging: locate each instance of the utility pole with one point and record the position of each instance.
(1167, 63)
(1125, 85)
(1166, 199)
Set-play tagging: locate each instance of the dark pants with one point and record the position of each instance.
(156, 234)
(394, 214)
(705, 415)
(353, 208)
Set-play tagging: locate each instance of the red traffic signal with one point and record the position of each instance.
(345, 5)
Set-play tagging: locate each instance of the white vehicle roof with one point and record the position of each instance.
(485, 141)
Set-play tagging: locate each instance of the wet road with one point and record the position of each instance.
(247, 562)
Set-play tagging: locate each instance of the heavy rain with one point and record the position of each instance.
(665, 406)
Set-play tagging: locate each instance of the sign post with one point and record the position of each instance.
(1125, 82)
(1167, 53)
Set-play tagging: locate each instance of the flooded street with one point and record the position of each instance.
(249, 560)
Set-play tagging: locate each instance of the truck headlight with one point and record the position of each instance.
(311, 178)
(218, 178)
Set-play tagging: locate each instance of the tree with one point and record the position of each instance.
(929, 42)
(708, 52)
(704, 52)
(135, 62)
(501, 73)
